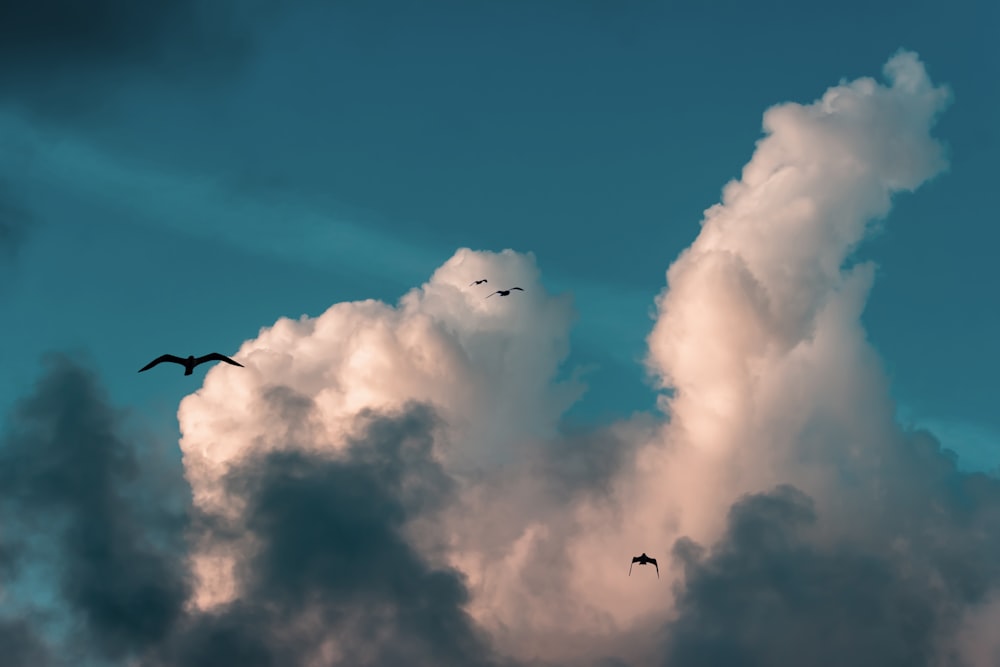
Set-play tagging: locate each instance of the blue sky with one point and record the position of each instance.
(343, 151)
(178, 179)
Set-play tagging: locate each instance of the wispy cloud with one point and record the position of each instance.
(61, 59)
(15, 221)
(60, 171)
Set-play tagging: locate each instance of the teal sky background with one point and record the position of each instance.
(179, 200)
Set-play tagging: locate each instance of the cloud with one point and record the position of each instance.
(771, 381)
(60, 56)
(490, 366)
(758, 333)
(335, 579)
(197, 206)
(20, 646)
(881, 551)
(72, 506)
(773, 591)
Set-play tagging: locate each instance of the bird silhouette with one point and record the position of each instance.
(642, 560)
(478, 282)
(190, 362)
(504, 292)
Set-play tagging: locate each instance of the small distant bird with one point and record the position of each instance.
(504, 292)
(478, 282)
(642, 560)
(190, 362)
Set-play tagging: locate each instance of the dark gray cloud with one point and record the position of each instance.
(62, 56)
(335, 561)
(20, 646)
(71, 500)
(774, 591)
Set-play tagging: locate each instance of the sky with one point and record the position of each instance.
(754, 341)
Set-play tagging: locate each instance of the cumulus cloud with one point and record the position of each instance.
(387, 483)
(758, 332)
(882, 545)
(489, 366)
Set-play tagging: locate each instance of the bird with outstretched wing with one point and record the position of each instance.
(190, 362)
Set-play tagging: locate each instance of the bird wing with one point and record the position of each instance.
(653, 561)
(630, 568)
(489, 295)
(517, 288)
(161, 359)
(215, 356)
(636, 559)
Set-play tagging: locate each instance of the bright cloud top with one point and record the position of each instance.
(758, 332)
(488, 365)
(770, 257)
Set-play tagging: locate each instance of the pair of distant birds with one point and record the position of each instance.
(501, 292)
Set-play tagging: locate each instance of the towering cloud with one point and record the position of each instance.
(759, 331)
(880, 544)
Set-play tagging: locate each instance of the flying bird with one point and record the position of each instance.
(478, 282)
(190, 362)
(642, 560)
(504, 292)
